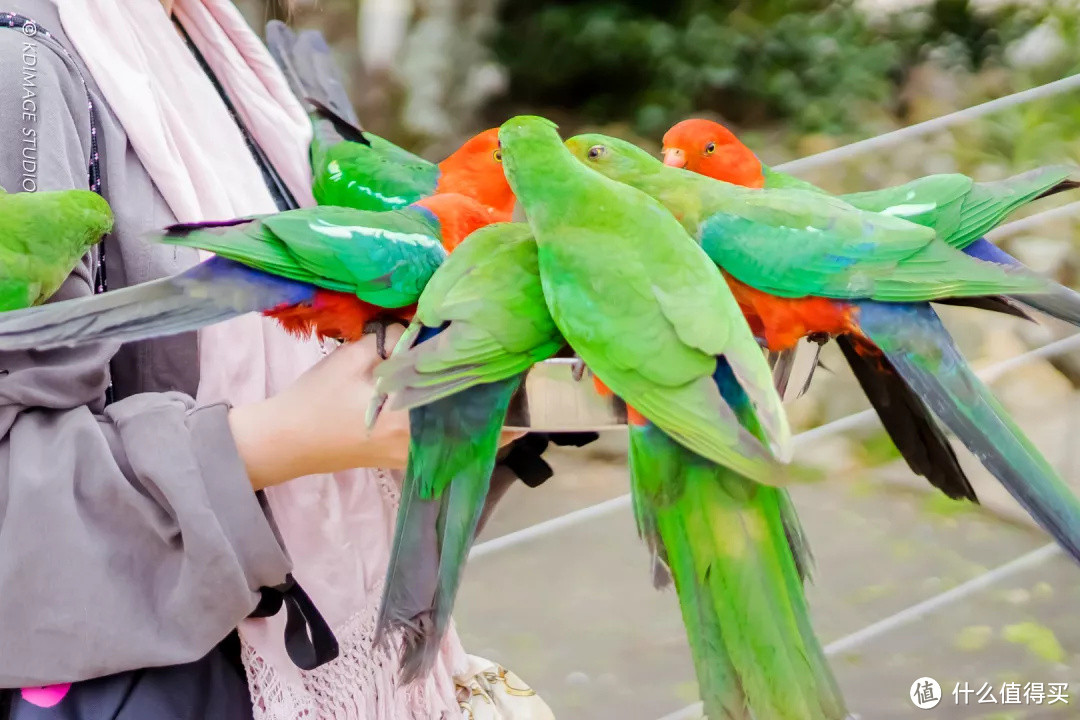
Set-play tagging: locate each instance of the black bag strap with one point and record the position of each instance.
(308, 638)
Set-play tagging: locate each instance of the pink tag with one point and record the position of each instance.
(46, 696)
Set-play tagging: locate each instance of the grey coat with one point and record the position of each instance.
(129, 534)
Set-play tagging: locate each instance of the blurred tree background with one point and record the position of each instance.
(807, 72)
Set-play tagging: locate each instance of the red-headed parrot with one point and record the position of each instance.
(959, 209)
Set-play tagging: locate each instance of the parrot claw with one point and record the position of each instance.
(378, 327)
(819, 337)
(579, 369)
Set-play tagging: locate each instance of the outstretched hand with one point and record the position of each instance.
(317, 425)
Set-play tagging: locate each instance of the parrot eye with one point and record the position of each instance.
(498, 156)
(710, 148)
(596, 152)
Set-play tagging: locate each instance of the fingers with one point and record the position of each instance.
(363, 355)
(509, 436)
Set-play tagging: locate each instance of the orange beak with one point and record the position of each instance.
(674, 157)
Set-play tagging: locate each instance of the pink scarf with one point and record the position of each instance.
(337, 528)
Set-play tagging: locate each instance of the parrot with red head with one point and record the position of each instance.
(959, 209)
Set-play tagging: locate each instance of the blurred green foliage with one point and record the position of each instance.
(814, 64)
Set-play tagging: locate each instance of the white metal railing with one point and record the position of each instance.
(930, 126)
(855, 420)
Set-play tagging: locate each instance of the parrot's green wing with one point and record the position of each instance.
(379, 176)
(42, 237)
(935, 201)
(794, 244)
(655, 339)
(488, 299)
(990, 203)
(385, 258)
(958, 208)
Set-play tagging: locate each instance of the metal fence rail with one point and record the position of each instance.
(930, 126)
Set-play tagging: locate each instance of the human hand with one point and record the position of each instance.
(317, 424)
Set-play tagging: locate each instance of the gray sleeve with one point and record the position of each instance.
(129, 535)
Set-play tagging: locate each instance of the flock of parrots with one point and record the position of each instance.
(666, 277)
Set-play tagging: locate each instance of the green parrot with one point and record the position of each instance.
(655, 322)
(480, 324)
(805, 263)
(47, 234)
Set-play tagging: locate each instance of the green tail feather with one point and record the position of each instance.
(738, 583)
(452, 452)
(924, 355)
(245, 241)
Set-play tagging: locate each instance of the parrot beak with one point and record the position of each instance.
(674, 157)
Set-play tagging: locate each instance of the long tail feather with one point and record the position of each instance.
(452, 450)
(1062, 303)
(913, 430)
(922, 352)
(992, 303)
(1063, 186)
(208, 293)
(727, 543)
(320, 76)
(280, 39)
(308, 64)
